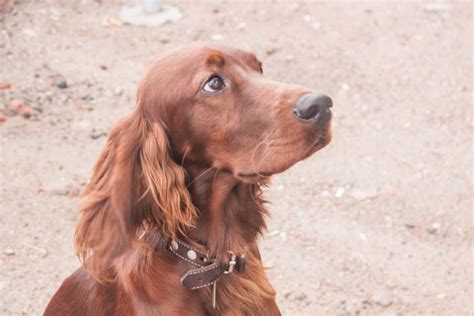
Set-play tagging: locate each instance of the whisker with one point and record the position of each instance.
(184, 156)
(199, 176)
(252, 158)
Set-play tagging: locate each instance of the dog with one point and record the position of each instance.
(171, 216)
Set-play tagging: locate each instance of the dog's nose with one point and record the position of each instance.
(313, 107)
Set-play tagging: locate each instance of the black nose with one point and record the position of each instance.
(313, 107)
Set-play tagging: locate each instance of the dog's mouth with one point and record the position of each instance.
(262, 174)
(256, 176)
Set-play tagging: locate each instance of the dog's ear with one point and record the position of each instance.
(135, 181)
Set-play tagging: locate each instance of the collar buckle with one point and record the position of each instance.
(232, 262)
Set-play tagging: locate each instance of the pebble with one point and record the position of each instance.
(5, 86)
(25, 111)
(363, 194)
(270, 50)
(94, 134)
(274, 233)
(15, 106)
(382, 297)
(295, 7)
(118, 91)
(410, 226)
(164, 39)
(29, 32)
(217, 37)
(9, 252)
(300, 297)
(431, 230)
(62, 84)
(436, 225)
(363, 236)
(316, 25)
(435, 7)
(325, 193)
(286, 293)
(241, 26)
(344, 87)
(339, 192)
(65, 190)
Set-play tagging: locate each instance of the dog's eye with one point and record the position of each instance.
(214, 84)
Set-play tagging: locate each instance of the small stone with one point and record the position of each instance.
(344, 87)
(3, 118)
(15, 106)
(95, 134)
(339, 192)
(382, 297)
(111, 22)
(410, 226)
(363, 236)
(316, 25)
(325, 193)
(286, 293)
(66, 190)
(295, 7)
(436, 225)
(270, 50)
(5, 86)
(164, 39)
(300, 297)
(217, 37)
(29, 32)
(274, 233)
(431, 230)
(363, 194)
(434, 7)
(241, 26)
(25, 111)
(62, 84)
(118, 91)
(9, 252)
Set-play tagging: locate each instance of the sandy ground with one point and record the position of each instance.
(378, 223)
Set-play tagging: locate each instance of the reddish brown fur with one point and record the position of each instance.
(189, 165)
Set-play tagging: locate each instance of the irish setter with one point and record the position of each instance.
(171, 216)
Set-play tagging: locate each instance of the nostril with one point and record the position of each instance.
(307, 112)
(323, 101)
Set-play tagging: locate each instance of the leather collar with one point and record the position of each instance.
(207, 271)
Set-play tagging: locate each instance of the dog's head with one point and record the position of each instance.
(220, 109)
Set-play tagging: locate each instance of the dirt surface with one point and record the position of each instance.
(378, 223)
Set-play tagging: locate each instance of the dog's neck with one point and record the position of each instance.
(231, 213)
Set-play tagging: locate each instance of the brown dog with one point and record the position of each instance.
(170, 219)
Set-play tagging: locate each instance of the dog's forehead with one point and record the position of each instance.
(222, 55)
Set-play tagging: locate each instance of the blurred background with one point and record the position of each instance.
(377, 223)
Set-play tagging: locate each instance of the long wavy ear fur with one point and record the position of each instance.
(135, 181)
